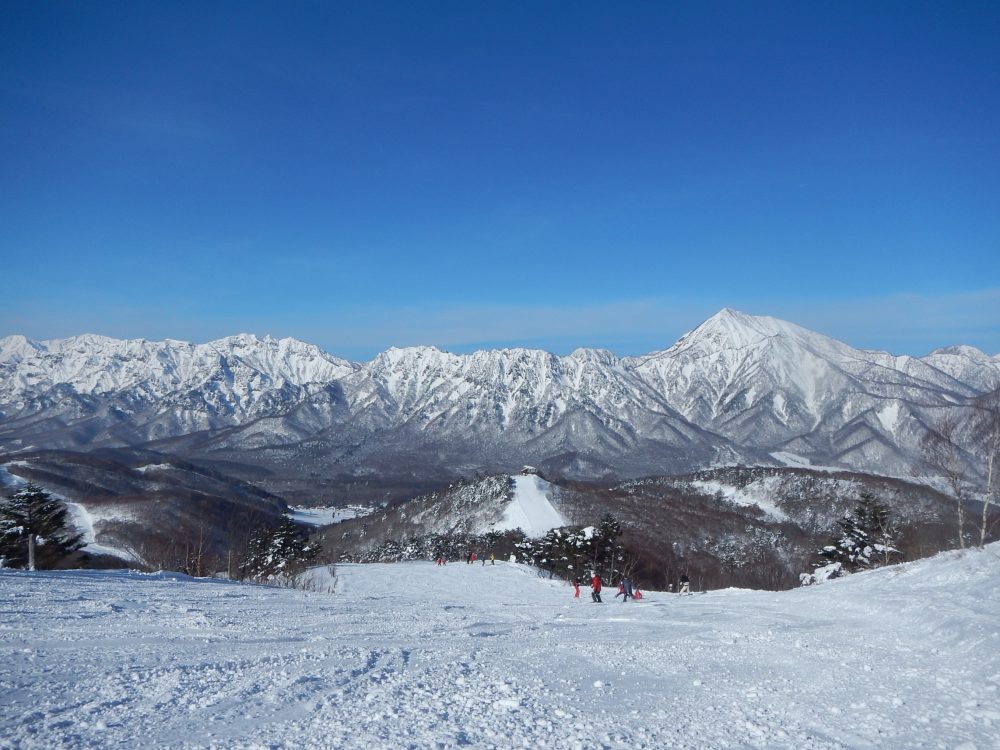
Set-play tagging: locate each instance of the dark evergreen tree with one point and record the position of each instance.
(866, 537)
(577, 550)
(35, 531)
(277, 549)
(491, 538)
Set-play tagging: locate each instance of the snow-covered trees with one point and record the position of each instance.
(452, 546)
(277, 549)
(866, 538)
(568, 552)
(34, 529)
(562, 552)
(757, 555)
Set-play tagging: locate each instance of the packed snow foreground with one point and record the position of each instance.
(417, 656)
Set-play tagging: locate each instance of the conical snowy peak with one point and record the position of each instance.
(731, 330)
(765, 382)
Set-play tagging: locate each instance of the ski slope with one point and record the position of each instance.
(530, 509)
(414, 655)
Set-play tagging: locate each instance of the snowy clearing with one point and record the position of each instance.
(154, 467)
(326, 515)
(415, 655)
(759, 494)
(10, 482)
(84, 521)
(799, 462)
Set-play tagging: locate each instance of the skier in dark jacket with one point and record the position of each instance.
(595, 585)
(685, 585)
(626, 590)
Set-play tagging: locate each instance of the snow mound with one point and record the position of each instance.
(531, 510)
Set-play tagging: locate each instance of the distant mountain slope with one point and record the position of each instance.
(735, 390)
(758, 526)
(773, 385)
(143, 506)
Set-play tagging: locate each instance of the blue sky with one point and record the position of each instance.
(471, 175)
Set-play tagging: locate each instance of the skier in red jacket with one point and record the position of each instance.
(595, 585)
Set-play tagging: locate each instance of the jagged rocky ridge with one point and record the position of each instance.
(738, 389)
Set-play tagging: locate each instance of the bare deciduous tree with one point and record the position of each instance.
(986, 432)
(943, 454)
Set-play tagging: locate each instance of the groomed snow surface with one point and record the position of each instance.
(420, 656)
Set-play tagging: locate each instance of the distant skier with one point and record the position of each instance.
(595, 586)
(576, 587)
(685, 585)
(493, 559)
(625, 590)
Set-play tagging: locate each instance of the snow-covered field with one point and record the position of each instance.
(420, 656)
(328, 514)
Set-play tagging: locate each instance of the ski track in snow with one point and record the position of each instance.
(415, 655)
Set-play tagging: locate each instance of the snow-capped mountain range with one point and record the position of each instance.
(737, 389)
